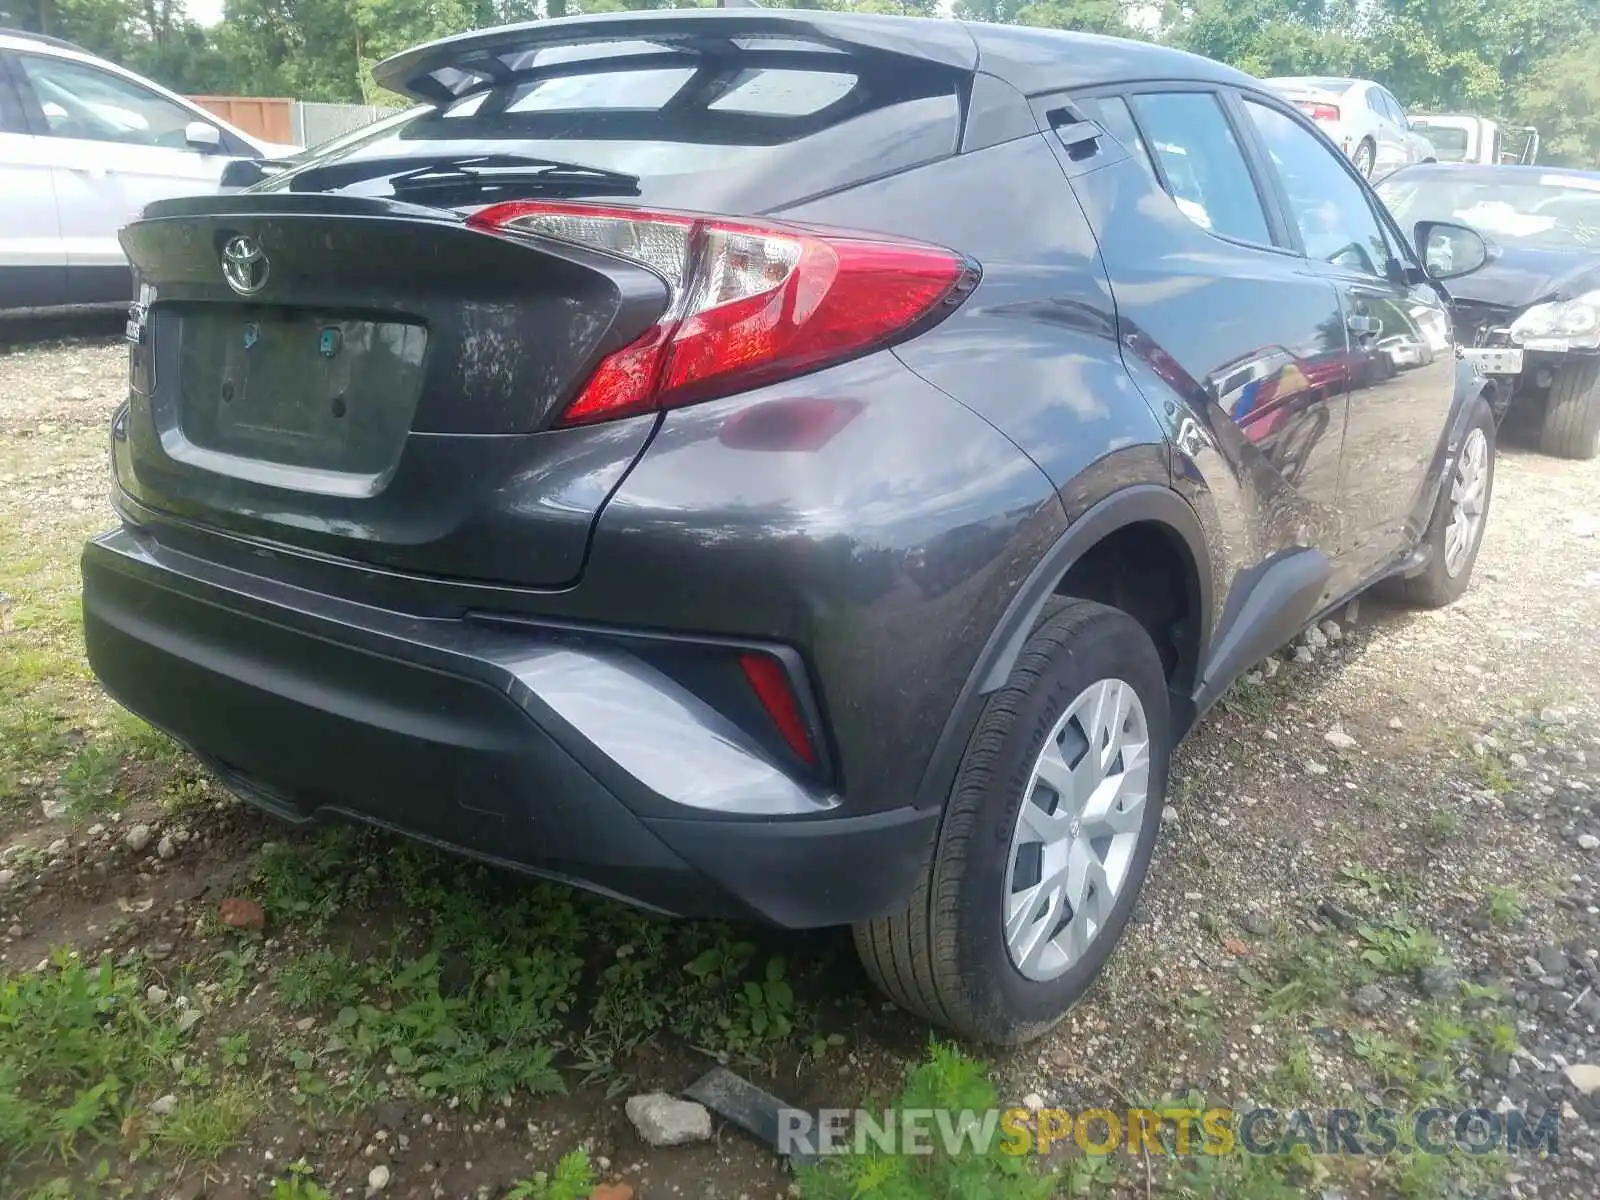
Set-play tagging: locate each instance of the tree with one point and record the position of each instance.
(1470, 53)
(1274, 37)
(154, 37)
(1086, 16)
(1561, 98)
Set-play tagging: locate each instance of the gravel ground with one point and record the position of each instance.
(1377, 884)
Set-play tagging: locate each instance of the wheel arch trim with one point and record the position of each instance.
(1143, 503)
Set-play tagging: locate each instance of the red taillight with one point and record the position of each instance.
(1320, 112)
(770, 682)
(750, 303)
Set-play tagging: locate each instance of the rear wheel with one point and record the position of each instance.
(1365, 157)
(1571, 427)
(1046, 838)
(1456, 531)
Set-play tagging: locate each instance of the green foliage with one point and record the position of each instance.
(312, 880)
(572, 1179)
(490, 1040)
(1398, 945)
(951, 1082)
(80, 1051)
(1505, 905)
(298, 1184)
(88, 781)
(1562, 100)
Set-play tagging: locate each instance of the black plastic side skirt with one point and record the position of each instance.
(1267, 606)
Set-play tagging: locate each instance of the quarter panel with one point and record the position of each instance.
(857, 514)
(1033, 350)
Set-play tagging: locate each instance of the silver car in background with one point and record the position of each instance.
(1363, 118)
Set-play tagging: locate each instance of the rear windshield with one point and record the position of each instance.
(714, 124)
(1449, 140)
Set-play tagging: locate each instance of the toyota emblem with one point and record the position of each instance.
(244, 265)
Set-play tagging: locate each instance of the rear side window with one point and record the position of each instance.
(702, 123)
(1204, 168)
(11, 118)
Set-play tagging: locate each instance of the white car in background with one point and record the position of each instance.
(1363, 119)
(1465, 138)
(84, 146)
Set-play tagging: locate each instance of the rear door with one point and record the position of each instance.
(340, 363)
(113, 146)
(1402, 367)
(1414, 145)
(33, 261)
(1392, 151)
(1218, 316)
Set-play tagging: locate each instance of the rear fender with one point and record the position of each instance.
(1151, 503)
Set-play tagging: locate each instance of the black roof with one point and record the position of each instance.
(1030, 60)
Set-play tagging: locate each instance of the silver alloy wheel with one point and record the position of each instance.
(1077, 830)
(1365, 159)
(1467, 488)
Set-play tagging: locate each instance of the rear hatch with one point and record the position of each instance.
(337, 360)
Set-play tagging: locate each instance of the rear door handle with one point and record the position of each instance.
(1081, 138)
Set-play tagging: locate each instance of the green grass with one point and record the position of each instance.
(1249, 699)
(1294, 1078)
(1445, 824)
(1198, 1012)
(948, 1080)
(484, 987)
(1306, 975)
(299, 1184)
(1505, 906)
(571, 1179)
(81, 1052)
(1398, 945)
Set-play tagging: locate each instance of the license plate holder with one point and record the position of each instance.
(298, 387)
(1495, 360)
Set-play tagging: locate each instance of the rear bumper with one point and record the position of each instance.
(548, 753)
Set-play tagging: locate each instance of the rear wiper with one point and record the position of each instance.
(453, 170)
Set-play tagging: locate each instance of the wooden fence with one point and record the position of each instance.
(270, 119)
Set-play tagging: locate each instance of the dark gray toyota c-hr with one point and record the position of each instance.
(794, 465)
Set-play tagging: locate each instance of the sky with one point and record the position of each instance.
(206, 12)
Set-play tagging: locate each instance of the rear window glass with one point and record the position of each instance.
(769, 124)
(608, 89)
(1449, 140)
(785, 93)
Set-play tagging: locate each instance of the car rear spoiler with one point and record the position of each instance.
(440, 71)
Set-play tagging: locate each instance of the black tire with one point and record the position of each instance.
(1571, 427)
(945, 958)
(1365, 158)
(1435, 587)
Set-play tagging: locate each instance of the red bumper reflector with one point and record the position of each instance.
(770, 682)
